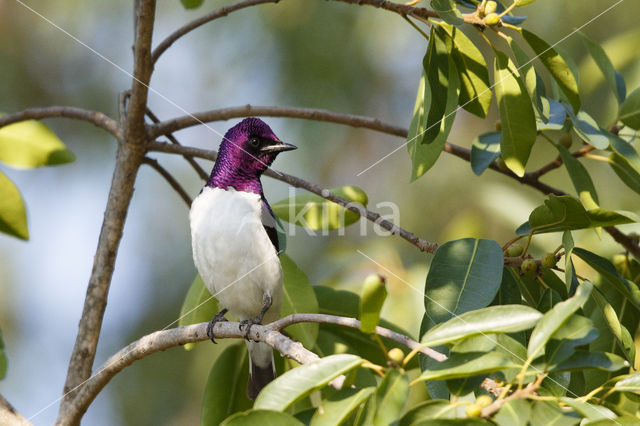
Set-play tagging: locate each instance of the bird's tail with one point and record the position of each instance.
(261, 367)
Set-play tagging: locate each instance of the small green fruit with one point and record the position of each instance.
(492, 19)
(529, 267)
(473, 410)
(566, 140)
(396, 355)
(513, 251)
(501, 164)
(490, 7)
(549, 260)
(484, 401)
(498, 125)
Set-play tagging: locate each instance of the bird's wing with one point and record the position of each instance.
(269, 223)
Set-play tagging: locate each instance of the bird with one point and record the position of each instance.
(234, 239)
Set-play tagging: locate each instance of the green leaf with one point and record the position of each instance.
(30, 144)
(430, 127)
(191, 4)
(552, 115)
(626, 150)
(604, 63)
(630, 383)
(590, 411)
(484, 149)
(514, 413)
(374, 294)
(588, 129)
(297, 383)
(580, 178)
(630, 110)
(198, 306)
(13, 215)
(494, 319)
(611, 275)
(557, 67)
(516, 113)
(549, 414)
(522, 3)
(475, 94)
(586, 359)
(337, 408)
(555, 318)
(620, 333)
(428, 410)
(464, 275)
(262, 418)
(391, 397)
(576, 331)
(3, 359)
(468, 364)
(567, 242)
(298, 297)
(625, 171)
(314, 212)
(232, 369)
(448, 11)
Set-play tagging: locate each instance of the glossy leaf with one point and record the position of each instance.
(338, 407)
(484, 150)
(13, 215)
(448, 11)
(494, 319)
(300, 381)
(555, 318)
(516, 113)
(464, 275)
(630, 383)
(621, 335)
(588, 129)
(630, 110)
(30, 144)
(3, 359)
(262, 418)
(589, 411)
(587, 359)
(231, 368)
(552, 115)
(626, 150)
(580, 178)
(567, 242)
(514, 413)
(298, 297)
(557, 67)
(468, 364)
(475, 93)
(391, 397)
(373, 296)
(549, 414)
(191, 4)
(627, 173)
(434, 113)
(604, 63)
(317, 213)
(198, 306)
(428, 410)
(609, 272)
(576, 331)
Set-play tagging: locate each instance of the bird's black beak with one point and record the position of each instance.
(277, 147)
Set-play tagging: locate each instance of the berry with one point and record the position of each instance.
(484, 401)
(529, 267)
(513, 251)
(396, 355)
(490, 7)
(492, 19)
(473, 410)
(565, 140)
(549, 260)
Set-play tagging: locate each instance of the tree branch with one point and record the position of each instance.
(169, 178)
(423, 245)
(9, 416)
(96, 118)
(165, 339)
(129, 156)
(399, 8)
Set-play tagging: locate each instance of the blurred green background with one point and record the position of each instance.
(356, 60)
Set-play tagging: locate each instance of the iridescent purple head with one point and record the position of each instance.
(246, 151)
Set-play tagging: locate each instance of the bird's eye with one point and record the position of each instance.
(254, 142)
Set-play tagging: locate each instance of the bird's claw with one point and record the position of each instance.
(219, 317)
(249, 323)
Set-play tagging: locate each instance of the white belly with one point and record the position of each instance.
(233, 253)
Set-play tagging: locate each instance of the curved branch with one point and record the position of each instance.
(9, 416)
(423, 245)
(175, 124)
(169, 178)
(96, 118)
(165, 339)
(399, 8)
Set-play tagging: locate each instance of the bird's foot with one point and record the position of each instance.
(266, 304)
(219, 317)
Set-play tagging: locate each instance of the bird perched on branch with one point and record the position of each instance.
(234, 239)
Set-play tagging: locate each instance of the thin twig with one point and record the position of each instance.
(169, 178)
(199, 170)
(528, 391)
(96, 118)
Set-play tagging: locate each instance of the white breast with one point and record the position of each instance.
(233, 253)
